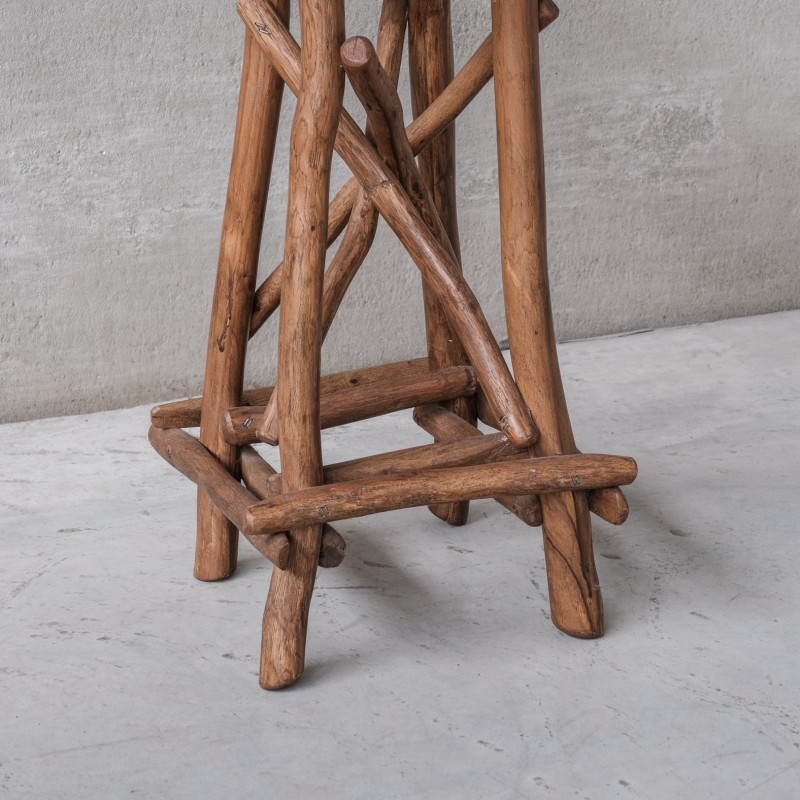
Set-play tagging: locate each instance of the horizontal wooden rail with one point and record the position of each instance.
(609, 504)
(186, 413)
(191, 458)
(322, 504)
(257, 475)
(364, 402)
(460, 453)
(444, 425)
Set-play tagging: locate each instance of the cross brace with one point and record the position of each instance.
(531, 466)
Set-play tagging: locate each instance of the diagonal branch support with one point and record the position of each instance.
(431, 257)
(463, 89)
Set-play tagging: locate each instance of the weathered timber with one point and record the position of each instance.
(363, 402)
(444, 425)
(192, 459)
(423, 487)
(257, 475)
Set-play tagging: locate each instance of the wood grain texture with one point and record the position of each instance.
(297, 389)
(444, 425)
(457, 453)
(469, 81)
(431, 257)
(268, 295)
(575, 598)
(363, 222)
(422, 487)
(532, 466)
(363, 402)
(191, 459)
(258, 476)
(609, 504)
(431, 67)
(186, 413)
(253, 149)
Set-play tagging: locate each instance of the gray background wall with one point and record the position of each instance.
(672, 156)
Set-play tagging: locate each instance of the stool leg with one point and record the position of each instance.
(313, 133)
(254, 145)
(575, 599)
(430, 47)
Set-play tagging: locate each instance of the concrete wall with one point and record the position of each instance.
(672, 135)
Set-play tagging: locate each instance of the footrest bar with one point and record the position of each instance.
(443, 424)
(257, 475)
(190, 458)
(363, 402)
(348, 499)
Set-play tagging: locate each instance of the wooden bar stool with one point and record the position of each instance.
(406, 175)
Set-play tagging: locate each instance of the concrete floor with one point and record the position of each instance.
(433, 670)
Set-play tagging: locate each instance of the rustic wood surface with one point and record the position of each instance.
(457, 453)
(363, 402)
(193, 460)
(575, 598)
(444, 425)
(186, 413)
(297, 388)
(608, 503)
(464, 312)
(422, 487)
(533, 468)
(257, 475)
(253, 149)
(363, 222)
(469, 81)
(431, 66)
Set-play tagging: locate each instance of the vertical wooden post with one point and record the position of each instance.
(430, 46)
(254, 145)
(575, 598)
(313, 133)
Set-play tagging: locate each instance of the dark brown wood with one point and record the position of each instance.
(575, 599)
(423, 487)
(444, 425)
(191, 459)
(297, 389)
(548, 13)
(253, 149)
(186, 413)
(258, 476)
(431, 257)
(469, 81)
(333, 548)
(457, 453)
(363, 402)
